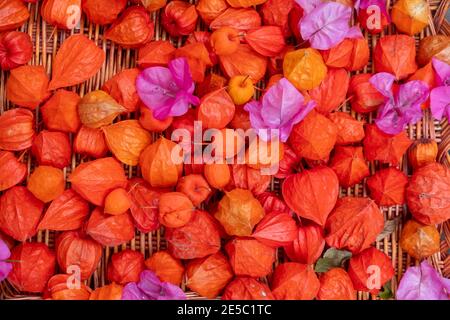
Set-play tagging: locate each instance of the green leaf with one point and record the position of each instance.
(389, 228)
(332, 258)
(386, 293)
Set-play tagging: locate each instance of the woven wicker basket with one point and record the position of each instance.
(46, 42)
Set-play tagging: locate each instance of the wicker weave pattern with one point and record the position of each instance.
(46, 42)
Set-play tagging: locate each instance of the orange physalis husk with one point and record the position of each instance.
(148, 122)
(426, 194)
(208, 276)
(27, 86)
(77, 60)
(90, 142)
(126, 140)
(418, 240)
(422, 152)
(245, 3)
(153, 5)
(217, 175)
(410, 16)
(437, 46)
(198, 59)
(196, 239)
(144, 205)
(288, 164)
(179, 18)
(304, 68)
(109, 230)
(314, 137)
(136, 19)
(58, 289)
(16, 49)
(122, 88)
(112, 291)
(396, 54)
(94, 180)
(155, 54)
(247, 288)
(349, 130)
(335, 284)
(211, 9)
(63, 14)
(73, 248)
(216, 110)
(354, 224)
(363, 96)
(166, 267)
(231, 142)
(294, 281)
(225, 41)
(175, 209)
(204, 38)
(211, 83)
(157, 165)
(349, 165)
(13, 14)
(245, 61)
(240, 19)
(52, 148)
(268, 41)
(125, 266)
(12, 171)
(241, 119)
(60, 112)
(384, 147)
(249, 257)
(276, 229)
(20, 213)
(46, 183)
(195, 187)
(67, 212)
(97, 109)
(331, 93)
(308, 245)
(238, 212)
(272, 203)
(351, 54)
(276, 13)
(34, 265)
(320, 190)
(361, 268)
(117, 202)
(103, 11)
(387, 187)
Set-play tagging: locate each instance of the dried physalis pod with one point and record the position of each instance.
(420, 241)
(387, 187)
(16, 49)
(335, 284)
(166, 267)
(294, 281)
(64, 14)
(97, 109)
(434, 46)
(363, 96)
(122, 88)
(125, 266)
(175, 209)
(156, 54)
(12, 170)
(27, 86)
(217, 175)
(46, 183)
(52, 148)
(179, 18)
(74, 248)
(422, 152)
(90, 142)
(247, 288)
(60, 112)
(103, 11)
(211, 9)
(153, 5)
(13, 14)
(112, 291)
(410, 16)
(195, 187)
(117, 202)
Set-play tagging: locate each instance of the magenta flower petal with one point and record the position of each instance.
(308, 5)
(167, 91)
(383, 82)
(354, 33)
(440, 102)
(170, 291)
(150, 284)
(5, 267)
(131, 291)
(442, 71)
(423, 283)
(5, 253)
(282, 106)
(326, 25)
